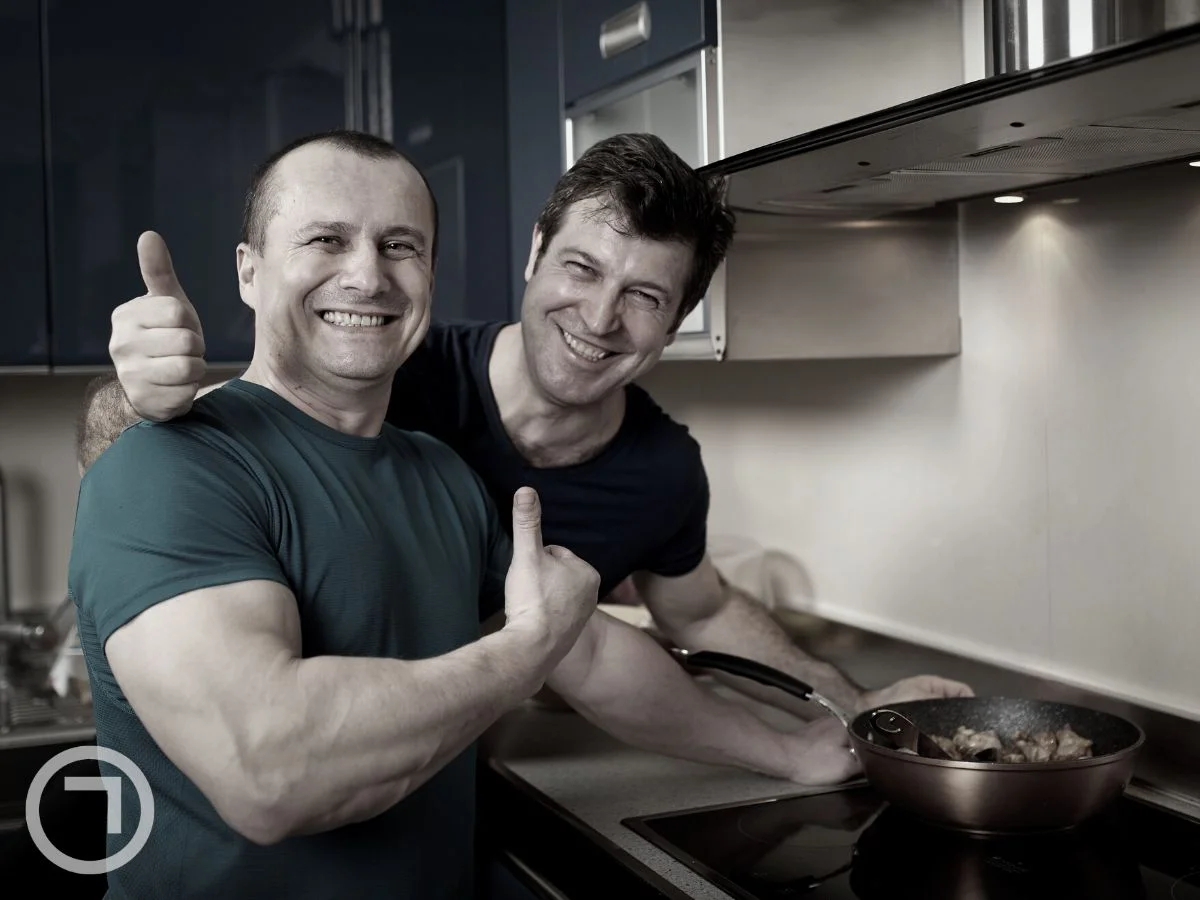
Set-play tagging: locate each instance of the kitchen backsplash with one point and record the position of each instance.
(1034, 502)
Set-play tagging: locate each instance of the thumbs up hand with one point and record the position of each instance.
(549, 591)
(157, 344)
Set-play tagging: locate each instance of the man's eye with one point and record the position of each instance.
(400, 247)
(325, 239)
(579, 267)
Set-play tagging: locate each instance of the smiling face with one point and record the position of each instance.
(600, 306)
(341, 288)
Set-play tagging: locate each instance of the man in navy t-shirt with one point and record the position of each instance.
(622, 251)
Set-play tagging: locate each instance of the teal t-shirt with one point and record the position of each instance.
(391, 547)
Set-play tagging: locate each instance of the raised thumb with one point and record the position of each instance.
(527, 521)
(158, 271)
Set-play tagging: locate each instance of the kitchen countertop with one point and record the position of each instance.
(592, 782)
(599, 781)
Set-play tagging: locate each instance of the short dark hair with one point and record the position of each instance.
(262, 198)
(654, 194)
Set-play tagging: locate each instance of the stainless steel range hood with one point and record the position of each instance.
(1134, 103)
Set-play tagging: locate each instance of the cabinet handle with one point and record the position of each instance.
(625, 30)
(371, 39)
(385, 84)
(346, 23)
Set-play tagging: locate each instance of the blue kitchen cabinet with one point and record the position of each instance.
(25, 337)
(606, 42)
(448, 108)
(535, 129)
(158, 114)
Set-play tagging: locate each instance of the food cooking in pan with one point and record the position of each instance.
(1041, 746)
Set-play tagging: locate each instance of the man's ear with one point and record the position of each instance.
(535, 247)
(246, 261)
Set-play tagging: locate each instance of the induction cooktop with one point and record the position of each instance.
(849, 843)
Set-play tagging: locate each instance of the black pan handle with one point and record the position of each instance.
(756, 671)
(746, 668)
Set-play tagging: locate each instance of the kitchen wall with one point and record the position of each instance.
(1034, 502)
(37, 460)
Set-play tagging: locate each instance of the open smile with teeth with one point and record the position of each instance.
(354, 320)
(583, 349)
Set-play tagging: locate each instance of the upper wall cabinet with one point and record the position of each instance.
(25, 337)
(448, 73)
(159, 113)
(606, 42)
(139, 115)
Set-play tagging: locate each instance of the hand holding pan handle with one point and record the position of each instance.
(756, 671)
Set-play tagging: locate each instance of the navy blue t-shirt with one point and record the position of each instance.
(641, 504)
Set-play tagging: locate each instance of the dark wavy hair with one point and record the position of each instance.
(651, 193)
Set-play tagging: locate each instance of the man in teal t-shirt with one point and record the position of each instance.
(279, 596)
(247, 488)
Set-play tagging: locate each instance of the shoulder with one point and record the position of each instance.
(434, 456)
(442, 471)
(667, 443)
(200, 443)
(455, 344)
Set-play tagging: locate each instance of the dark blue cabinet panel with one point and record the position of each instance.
(448, 89)
(674, 28)
(159, 113)
(535, 123)
(24, 339)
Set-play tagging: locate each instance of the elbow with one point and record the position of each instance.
(262, 809)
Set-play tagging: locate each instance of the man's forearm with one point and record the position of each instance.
(621, 680)
(744, 627)
(336, 740)
(106, 413)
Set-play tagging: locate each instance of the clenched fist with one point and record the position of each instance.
(157, 344)
(821, 755)
(550, 593)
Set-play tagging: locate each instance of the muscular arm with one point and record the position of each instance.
(105, 414)
(314, 743)
(621, 680)
(699, 611)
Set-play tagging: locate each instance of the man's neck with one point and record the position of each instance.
(545, 434)
(354, 409)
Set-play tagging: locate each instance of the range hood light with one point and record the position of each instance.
(1009, 198)
(1195, 163)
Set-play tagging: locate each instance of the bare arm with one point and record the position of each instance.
(700, 611)
(319, 742)
(621, 680)
(106, 413)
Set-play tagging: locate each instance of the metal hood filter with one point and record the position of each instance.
(1045, 115)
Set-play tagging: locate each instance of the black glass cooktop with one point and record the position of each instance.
(850, 844)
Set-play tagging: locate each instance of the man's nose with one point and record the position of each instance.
(601, 311)
(363, 272)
